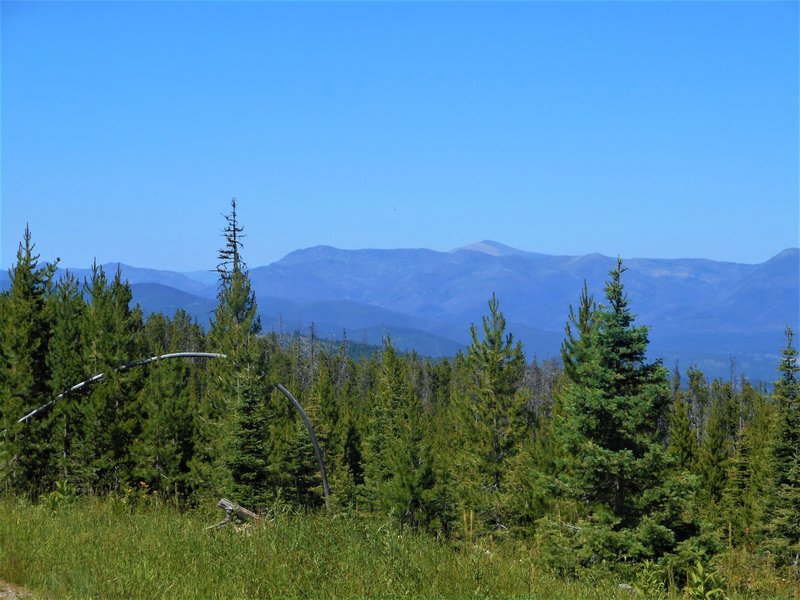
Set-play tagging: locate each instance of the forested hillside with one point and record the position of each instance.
(604, 461)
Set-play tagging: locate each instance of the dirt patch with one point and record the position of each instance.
(13, 592)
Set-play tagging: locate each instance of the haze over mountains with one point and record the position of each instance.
(699, 311)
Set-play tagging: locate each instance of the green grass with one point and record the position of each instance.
(103, 549)
(110, 549)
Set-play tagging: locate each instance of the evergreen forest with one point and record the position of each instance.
(602, 464)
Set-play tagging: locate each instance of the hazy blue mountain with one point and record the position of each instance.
(191, 283)
(136, 275)
(699, 311)
(537, 289)
(156, 297)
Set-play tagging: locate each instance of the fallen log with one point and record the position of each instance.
(239, 511)
(234, 511)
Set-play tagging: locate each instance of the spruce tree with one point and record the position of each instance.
(302, 466)
(351, 463)
(539, 464)
(784, 525)
(343, 413)
(302, 469)
(413, 479)
(615, 409)
(787, 397)
(613, 428)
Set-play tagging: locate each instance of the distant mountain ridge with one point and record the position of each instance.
(699, 311)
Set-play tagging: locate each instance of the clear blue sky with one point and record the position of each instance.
(634, 128)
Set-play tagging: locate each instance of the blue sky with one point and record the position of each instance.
(635, 128)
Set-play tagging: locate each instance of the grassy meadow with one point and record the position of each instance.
(108, 549)
(124, 548)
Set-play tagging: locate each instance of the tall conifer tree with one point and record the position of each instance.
(27, 450)
(494, 407)
(615, 409)
(574, 348)
(66, 358)
(682, 438)
(112, 418)
(720, 438)
(784, 526)
(236, 417)
(168, 400)
(613, 428)
(749, 475)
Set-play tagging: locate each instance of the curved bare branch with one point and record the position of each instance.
(101, 376)
(317, 450)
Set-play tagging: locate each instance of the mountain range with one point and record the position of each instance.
(700, 312)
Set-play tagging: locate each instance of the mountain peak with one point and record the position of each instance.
(492, 248)
(791, 253)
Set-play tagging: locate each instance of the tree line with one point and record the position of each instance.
(603, 458)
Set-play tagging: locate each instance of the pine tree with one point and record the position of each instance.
(392, 397)
(27, 451)
(235, 436)
(698, 397)
(168, 400)
(682, 438)
(574, 347)
(749, 475)
(111, 414)
(494, 407)
(401, 471)
(66, 363)
(719, 439)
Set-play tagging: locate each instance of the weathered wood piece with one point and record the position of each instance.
(240, 512)
(234, 511)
